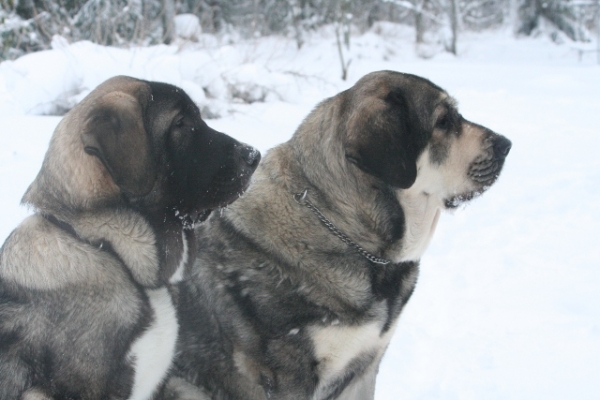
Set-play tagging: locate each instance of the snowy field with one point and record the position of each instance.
(508, 301)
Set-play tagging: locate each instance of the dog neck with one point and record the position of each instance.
(422, 212)
(175, 245)
(126, 232)
(302, 199)
(351, 211)
(155, 249)
(371, 218)
(395, 224)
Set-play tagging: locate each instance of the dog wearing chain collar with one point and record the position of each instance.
(85, 312)
(297, 287)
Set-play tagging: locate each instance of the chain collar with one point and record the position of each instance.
(301, 199)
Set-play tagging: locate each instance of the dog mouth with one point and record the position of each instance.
(485, 172)
(217, 200)
(482, 173)
(202, 215)
(458, 200)
(190, 219)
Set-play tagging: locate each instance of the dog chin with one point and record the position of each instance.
(236, 193)
(190, 219)
(203, 215)
(454, 202)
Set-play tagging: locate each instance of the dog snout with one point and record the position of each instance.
(249, 155)
(502, 147)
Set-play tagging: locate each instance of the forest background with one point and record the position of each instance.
(29, 25)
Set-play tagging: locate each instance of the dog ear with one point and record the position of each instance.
(114, 132)
(382, 141)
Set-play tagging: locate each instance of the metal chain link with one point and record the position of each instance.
(301, 199)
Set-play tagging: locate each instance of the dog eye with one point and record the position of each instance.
(179, 122)
(443, 123)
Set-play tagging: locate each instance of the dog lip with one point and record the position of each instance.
(485, 179)
(483, 174)
(235, 194)
(189, 218)
(203, 216)
(460, 199)
(486, 172)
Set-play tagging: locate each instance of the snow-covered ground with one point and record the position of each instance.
(508, 301)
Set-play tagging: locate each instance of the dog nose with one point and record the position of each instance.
(250, 155)
(502, 146)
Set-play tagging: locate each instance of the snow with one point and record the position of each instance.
(187, 26)
(508, 302)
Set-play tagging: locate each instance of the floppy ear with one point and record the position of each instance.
(114, 132)
(381, 142)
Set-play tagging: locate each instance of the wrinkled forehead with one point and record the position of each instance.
(168, 101)
(419, 92)
(445, 104)
(377, 82)
(424, 94)
(165, 95)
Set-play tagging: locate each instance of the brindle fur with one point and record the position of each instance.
(276, 306)
(127, 173)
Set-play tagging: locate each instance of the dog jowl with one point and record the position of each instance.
(298, 285)
(85, 312)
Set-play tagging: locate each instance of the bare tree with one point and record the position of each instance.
(168, 17)
(560, 13)
(125, 22)
(419, 20)
(342, 33)
(453, 14)
(25, 9)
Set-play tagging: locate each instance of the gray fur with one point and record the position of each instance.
(78, 278)
(276, 306)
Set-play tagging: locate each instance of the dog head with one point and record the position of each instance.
(143, 144)
(407, 133)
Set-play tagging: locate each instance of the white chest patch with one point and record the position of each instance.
(178, 275)
(336, 346)
(422, 206)
(153, 351)
(421, 216)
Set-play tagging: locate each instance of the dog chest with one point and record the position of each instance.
(153, 351)
(338, 348)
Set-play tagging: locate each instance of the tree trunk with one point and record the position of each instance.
(453, 26)
(25, 9)
(168, 17)
(557, 12)
(511, 15)
(298, 16)
(346, 21)
(528, 17)
(419, 22)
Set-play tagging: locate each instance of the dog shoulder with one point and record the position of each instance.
(40, 255)
(130, 236)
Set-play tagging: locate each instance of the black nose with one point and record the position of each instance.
(502, 146)
(250, 155)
